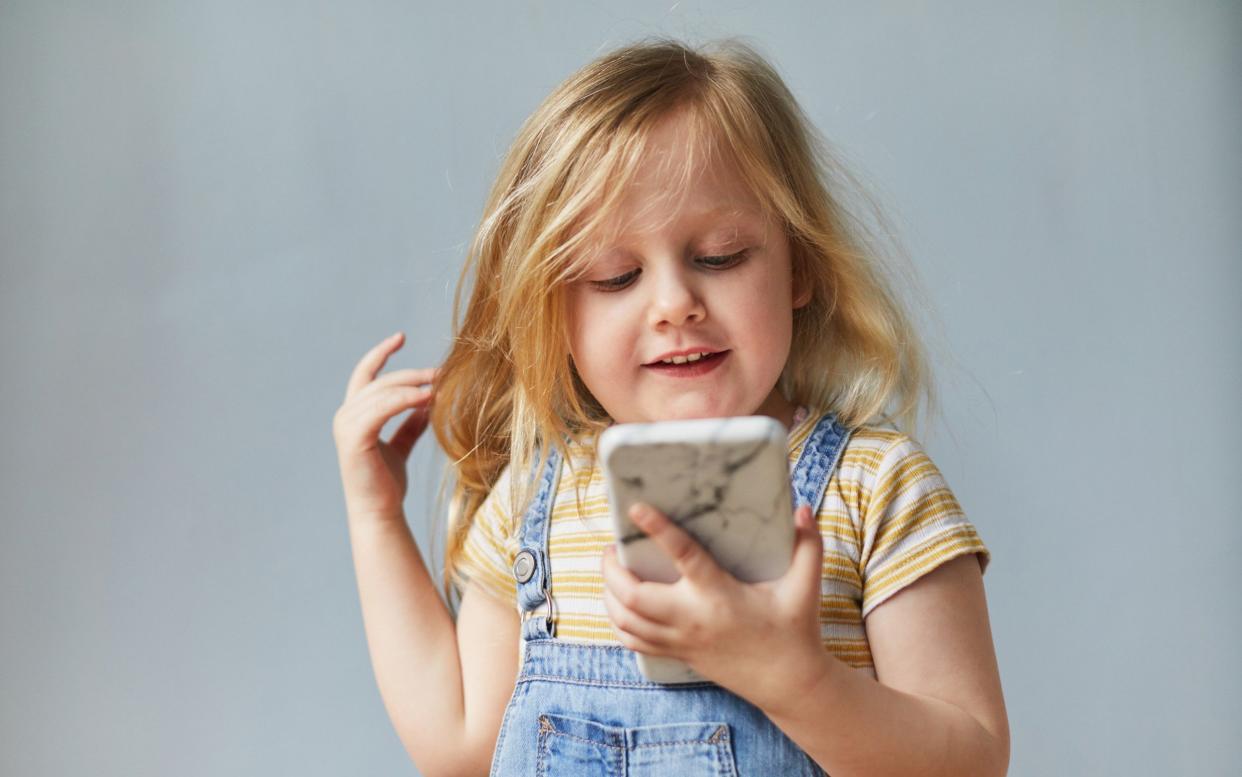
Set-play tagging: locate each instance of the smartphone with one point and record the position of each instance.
(725, 481)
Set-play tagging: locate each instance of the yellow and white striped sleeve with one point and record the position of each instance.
(912, 523)
(488, 551)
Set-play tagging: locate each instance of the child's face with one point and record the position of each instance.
(669, 293)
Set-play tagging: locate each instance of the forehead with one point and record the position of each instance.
(683, 180)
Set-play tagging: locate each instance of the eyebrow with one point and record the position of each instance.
(728, 210)
(740, 211)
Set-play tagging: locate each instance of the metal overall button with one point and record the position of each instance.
(524, 566)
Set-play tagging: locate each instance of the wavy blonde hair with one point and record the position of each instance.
(508, 394)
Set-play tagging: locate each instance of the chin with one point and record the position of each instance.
(703, 409)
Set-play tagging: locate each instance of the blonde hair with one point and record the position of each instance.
(507, 392)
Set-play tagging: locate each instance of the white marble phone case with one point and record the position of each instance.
(724, 480)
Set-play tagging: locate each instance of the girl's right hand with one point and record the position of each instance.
(372, 470)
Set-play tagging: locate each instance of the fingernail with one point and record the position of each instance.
(638, 514)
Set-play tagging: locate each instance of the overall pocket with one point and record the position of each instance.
(573, 747)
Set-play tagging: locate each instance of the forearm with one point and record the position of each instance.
(854, 726)
(412, 641)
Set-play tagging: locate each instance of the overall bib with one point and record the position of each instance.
(583, 709)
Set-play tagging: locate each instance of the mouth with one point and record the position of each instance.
(689, 365)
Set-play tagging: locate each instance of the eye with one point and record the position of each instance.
(710, 262)
(617, 283)
(722, 262)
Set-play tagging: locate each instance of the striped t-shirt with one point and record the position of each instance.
(887, 519)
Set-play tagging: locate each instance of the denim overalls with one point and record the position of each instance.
(583, 709)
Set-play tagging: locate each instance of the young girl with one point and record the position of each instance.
(665, 240)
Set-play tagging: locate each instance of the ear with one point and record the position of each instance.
(803, 290)
(802, 295)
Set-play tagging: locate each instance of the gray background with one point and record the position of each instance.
(208, 211)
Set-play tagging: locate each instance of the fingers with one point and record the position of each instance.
(412, 428)
(640, 611)
(418, 378)
(687, 555)
(371, 401)
(806, 568)
(360, 420)
(375, 359)
(393, 393)
(371, 363)
(636, 632)
(641, 597)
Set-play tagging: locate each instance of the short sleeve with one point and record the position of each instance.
(911, 525)
(488, 551)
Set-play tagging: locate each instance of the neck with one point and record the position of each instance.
(776, 406)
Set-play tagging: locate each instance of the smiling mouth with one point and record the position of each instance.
(684, 359)
(691, 364)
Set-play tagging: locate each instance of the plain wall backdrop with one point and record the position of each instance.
(210, 210)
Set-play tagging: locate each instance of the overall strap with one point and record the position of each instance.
(819, 457)
(530, 567)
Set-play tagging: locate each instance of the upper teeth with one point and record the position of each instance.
(691, 357)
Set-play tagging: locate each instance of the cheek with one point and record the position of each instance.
(594, 336)
(575, 318)
(767, 303)
(767, 328)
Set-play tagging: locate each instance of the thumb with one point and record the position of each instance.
(806, 569)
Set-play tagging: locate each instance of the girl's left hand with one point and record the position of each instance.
(760, 640)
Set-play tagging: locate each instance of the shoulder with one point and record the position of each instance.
(503, 486)
(891, 488)
(874, 456)
(511, 495)
(910, 520)
(873, 449)
(494, 517)
(869, 449)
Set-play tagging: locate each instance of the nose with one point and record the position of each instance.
(675, 300)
